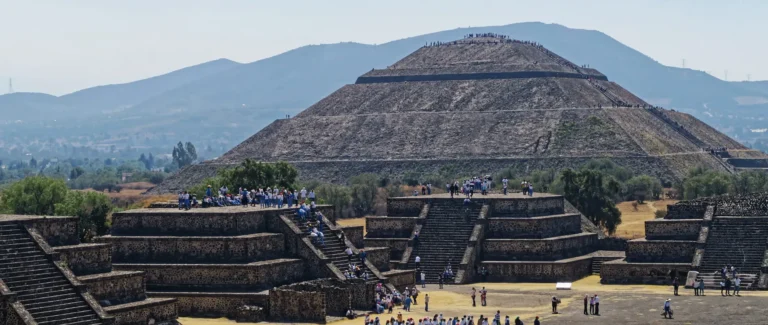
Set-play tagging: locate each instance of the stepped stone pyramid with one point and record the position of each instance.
(700, 235)
(478, 104)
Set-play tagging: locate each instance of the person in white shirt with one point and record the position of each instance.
(418, 261)
(303, 193)
(349, 254)
(312, 196)
(597, 305)
(423, 279)
(737, 287)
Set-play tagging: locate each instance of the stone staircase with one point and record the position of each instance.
(39, 284)
(712, 281)
(443, 237)
(737, 241)
(597, 262)
(334, 247)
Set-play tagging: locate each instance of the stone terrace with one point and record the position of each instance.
(516, 237)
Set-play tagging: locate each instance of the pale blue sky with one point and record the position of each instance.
(62, 46)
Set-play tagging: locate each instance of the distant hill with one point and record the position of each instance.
(220, 103)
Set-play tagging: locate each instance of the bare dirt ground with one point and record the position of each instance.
(620, 304)
(633, 222)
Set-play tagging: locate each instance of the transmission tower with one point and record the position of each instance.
(10, 85)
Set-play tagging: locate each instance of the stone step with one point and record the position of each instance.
(46, 302)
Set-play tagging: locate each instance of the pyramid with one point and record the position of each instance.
(477, 105)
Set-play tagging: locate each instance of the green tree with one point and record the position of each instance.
(337, 195)
(34, 195)
(364, 192)
(93, 210)
(642, 187)
(586, 191)
(184, 154)
(254, 174)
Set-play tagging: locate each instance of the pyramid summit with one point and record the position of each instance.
(478, 105)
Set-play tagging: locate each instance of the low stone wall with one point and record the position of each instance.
(250, 276)
(379, 257)
(401, 278)
(57, 231)
(298, 306)
(563, 270)
(397, 245)
(355, 235)
(548, 249)
(680, 229)
(539, 227)
(84, 259)
(686, 210)
(197, 222)
(404, 206)
(139, 313)
(667, 251)
(210, 249)
(387, 227)
(622, 272)
(116, 287)
(213, 304)
(748, 162)
(525, 208)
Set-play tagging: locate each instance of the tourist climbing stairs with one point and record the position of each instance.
(677, 127)
(737, 241)
(39, 285)
(334, 247)
(443, 237)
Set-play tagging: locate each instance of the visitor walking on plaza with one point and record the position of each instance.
(423, 279)
(728, 286)
(586, 304)
(667, 309)
(497, 318)
(675, 284)
(722, 288)
(592, 305)
(483, 294)
(597, 305)
(472, 294)
(415, 295)
(440, 280)
(555, 302)
(536, 321)
(737, 287)
(518, 321)
(426, 302)
(701, 286)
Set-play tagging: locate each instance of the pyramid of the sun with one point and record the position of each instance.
(477, 105)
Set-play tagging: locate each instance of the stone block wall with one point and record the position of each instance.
(298, 306)
(220, 276)
(197, 222)
(678, 229)
(213, 304)
(355, 235)
(668, 251)
(57, 231)
(524, 208)
(151, 249)
(621, 272)
(565, 270)
(401, 278)
(540, 227)
(554, 248)
(686, 210)
(139, 314)
(117, 287)
(404, 206)
(397, 245)
(379, 257)
(86, 259)
(386, 227)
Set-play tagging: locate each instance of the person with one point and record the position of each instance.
(497, 318)
(423, 279)
(426, 302)
(586, 303)
(363, 255)
(506, 320)
(597, 305)
(440, 280)
(208, 191)
(472, 294)
(555, 301)
(728, 286)
(312, 196)
(416, 240)
(407, 303)
(722, 288)
(536, 321)
(675, 285)
(483, 294)
(737, 287)
(349, 254)
(701, 286)
(417, 259)
(518, 321)
(667, 309)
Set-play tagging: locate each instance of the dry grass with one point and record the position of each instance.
(633, 222)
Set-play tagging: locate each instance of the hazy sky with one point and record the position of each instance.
(62, 46)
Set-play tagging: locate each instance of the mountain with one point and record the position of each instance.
(514, 105)
(220, 103)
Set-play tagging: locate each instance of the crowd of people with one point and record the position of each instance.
(265, 198)
(439, 319)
